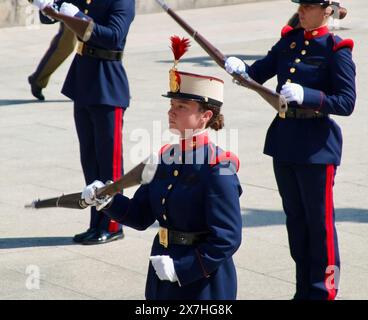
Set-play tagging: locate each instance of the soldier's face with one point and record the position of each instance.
(312, 16)
(185, 117)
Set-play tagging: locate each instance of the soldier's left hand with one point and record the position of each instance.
(69, 9)
(164, 267)
(293, 92)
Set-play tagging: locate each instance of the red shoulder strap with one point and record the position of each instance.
(285, 30)
(227, 156)
(346, 43)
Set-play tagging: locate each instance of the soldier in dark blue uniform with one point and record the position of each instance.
(316, 74)
(195, 198)
(98, 85)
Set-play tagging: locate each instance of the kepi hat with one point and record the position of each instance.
(191, 86)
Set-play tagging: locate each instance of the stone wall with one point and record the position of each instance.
(16, 12)
(20, 12)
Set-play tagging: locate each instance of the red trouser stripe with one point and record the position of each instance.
(117, 155)
(330, 173)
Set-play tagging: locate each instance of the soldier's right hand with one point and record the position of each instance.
(42, 4)
(235, 65)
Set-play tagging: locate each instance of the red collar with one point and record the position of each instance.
(194, 142)
(319, 32)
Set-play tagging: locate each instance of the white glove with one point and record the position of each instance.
(68, 9)
(89, 195)
(235, 65)
(164, 267)
(293, 92)
(42, 4)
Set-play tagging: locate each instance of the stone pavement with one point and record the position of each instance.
(39, 158)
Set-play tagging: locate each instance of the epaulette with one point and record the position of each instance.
(286, 30)
(225, 157)
(346, 43)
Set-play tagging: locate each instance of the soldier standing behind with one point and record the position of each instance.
(98, 85)
(61, 46)
(316, 74)
(194, 196)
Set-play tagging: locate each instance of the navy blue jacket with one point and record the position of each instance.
(322, 63)
(92, 81)
(202, 197)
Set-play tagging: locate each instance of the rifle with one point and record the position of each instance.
(276, 100)
(143, 173)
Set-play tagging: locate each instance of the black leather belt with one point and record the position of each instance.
(86, 50)
(303, 114)
(167, 237)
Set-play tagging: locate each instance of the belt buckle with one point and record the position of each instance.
(163, 235)
(80, 48)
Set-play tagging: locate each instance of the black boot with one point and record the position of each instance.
(80, 237)
(103, 236)
(36, 90)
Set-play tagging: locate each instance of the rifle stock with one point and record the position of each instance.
(277, 101)
(75, 201)
(81, 27)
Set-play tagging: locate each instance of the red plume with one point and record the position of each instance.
(179, 46)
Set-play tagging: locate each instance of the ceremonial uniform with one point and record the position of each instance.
(198, 205)
(306, 145)
(194, 196)
(98, 85)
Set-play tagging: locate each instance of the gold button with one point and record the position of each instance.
(297, 60)
(292, 45)
(86, 11)
(169, 186)
(176, 173)
(88, 1)
(292, 70)
(288, 80)
(163, 201)
(303, 52)
(163, 216)
(314, 33)
(306, 42)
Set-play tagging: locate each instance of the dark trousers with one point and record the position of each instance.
(99, 130)
(307, 198)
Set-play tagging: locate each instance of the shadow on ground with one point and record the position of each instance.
(13, 243)
(14, 102)
(261, 218)
(207, 61)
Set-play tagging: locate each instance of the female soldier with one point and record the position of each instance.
(316, 75)
(195, 198)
